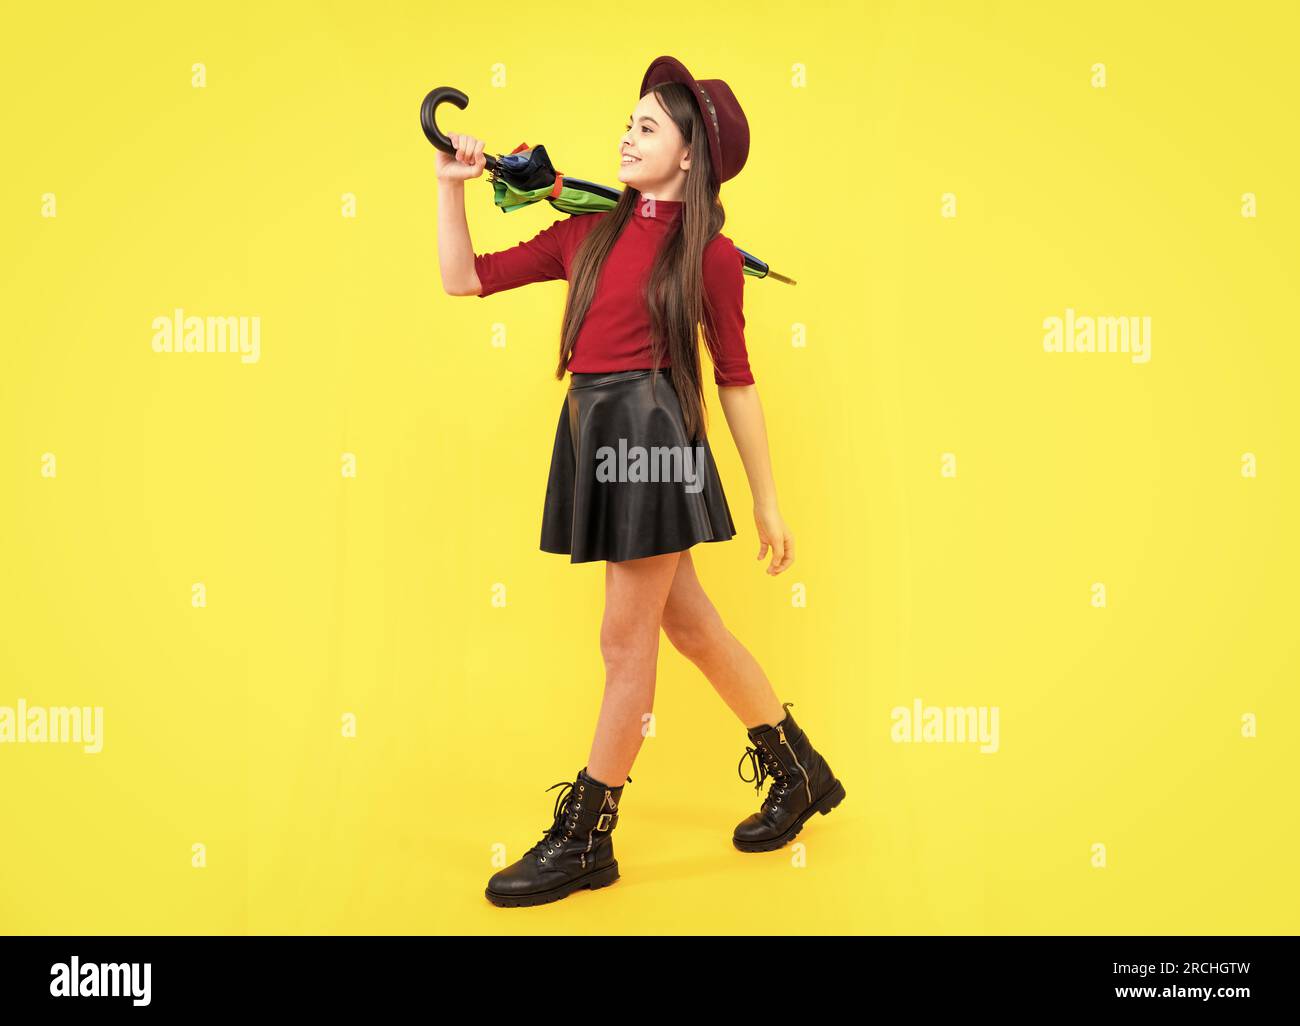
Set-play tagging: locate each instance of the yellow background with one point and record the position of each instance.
(1119, 726)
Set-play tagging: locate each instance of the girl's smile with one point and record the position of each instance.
(653, 157)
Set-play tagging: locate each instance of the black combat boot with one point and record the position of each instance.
(802, 783)
(576, 851)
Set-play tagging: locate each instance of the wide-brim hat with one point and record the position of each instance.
(724, 121)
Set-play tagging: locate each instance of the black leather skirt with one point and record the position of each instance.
(625, 482)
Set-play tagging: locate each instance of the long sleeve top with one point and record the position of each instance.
(615, 334)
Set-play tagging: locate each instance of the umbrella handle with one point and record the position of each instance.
(429, 120)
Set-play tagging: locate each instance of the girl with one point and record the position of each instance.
(645, 279)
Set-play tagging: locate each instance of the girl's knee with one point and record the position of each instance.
(627, 646)
(695, 639)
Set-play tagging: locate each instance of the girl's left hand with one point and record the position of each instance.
(773, 533)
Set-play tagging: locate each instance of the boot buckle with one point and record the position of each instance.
(604, 822)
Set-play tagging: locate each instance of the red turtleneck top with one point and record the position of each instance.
(615, 335)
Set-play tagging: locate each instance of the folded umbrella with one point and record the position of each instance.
(527, 175)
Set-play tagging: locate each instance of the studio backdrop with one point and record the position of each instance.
(281, 654)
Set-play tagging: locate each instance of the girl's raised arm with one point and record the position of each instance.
(455, 249)
(465, 273)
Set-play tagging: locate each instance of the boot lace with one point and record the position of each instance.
(561, 829)
(764, 765)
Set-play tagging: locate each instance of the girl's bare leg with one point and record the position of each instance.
(635, 593)
(697, 632)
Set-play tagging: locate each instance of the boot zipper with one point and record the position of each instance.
(591, 834)
(807, 786)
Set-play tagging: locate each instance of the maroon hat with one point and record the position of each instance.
(724, 121)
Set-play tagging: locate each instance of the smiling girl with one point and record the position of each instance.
(646, 279)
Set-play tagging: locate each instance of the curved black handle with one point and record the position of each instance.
(429, 120)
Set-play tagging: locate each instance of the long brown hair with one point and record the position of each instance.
(674, 291)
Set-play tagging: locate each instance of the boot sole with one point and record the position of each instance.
(598, 878)
(823, 805)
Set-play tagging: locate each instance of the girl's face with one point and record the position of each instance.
(653, 156)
